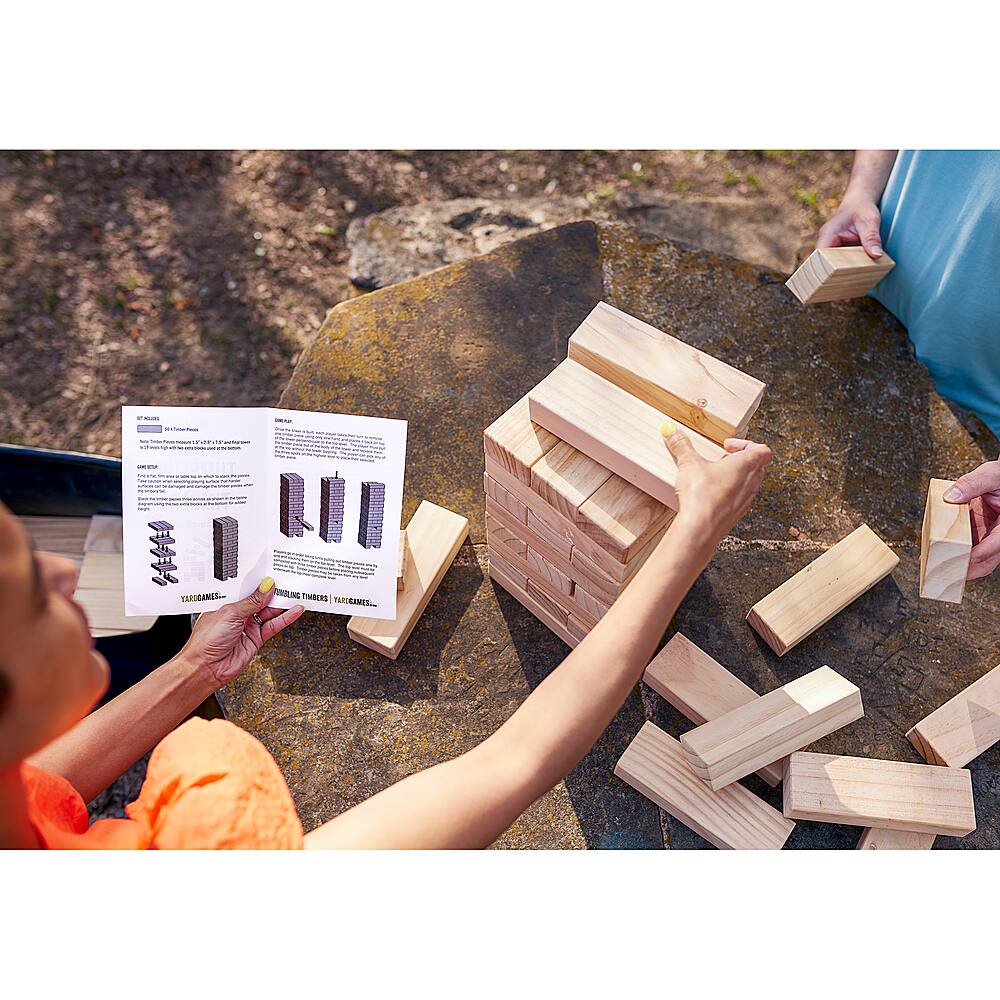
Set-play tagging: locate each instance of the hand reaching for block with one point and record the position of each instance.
(980, 489)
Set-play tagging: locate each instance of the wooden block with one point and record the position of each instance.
(594, 608)
(544, 570)
(102, 571)
(945, 546)
(540, 612)
(764, 730)
(823, 588)
(963, 727)
(733, 819)
(613, 576)
(496, 559)
(578, 628)
(64, 536)
(104, 534)
(404, 555)
(612, 427)
(566, 478)
(514, 443)
(521, 567)
(505, 498)
(701, 689)
(434, 535)
(876, 839)
(553, 607)
(887, 794)
(105, 609)
(838, 273)
(497, 534)
(702, 392)
(557, 541)
(621, 518)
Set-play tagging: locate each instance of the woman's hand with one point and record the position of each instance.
(980, 489)
(223, 642)
(856, 222)
(715, 495)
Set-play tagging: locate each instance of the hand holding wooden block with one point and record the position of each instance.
(825, 587)
(945, 546)
(838, 273)
(768, 728)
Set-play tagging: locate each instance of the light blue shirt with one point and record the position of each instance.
(941, 225)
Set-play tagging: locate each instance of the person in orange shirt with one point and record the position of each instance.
(212, 785)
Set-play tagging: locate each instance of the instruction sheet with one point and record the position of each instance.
(217, 498)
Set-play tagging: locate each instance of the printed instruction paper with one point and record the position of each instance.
(217, 498)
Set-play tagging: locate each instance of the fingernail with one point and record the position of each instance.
(952, 493)
(877, 250)
(266, 584)
(667, 428)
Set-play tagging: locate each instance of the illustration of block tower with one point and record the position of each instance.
(293, 505)
(372, 506)
(164, 565)
(331, 508)
(225, 547)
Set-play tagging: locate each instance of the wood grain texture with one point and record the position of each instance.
(404, 555)
(105, 610)
(514, 443)
(945, 545)
(578, 628)
(505, 498)
(838, 273)
(541, 613)
(732, 819)
(768, 728)
(103, 571)
(497, 534)
(594, 607)
(104, 534)
(542, 569)
(541, 596)
(435, 535)
(701, 688)
(505, 566)
(705, 394)
(876, 839)
(64, 536)
(566, 478)
(558, 541)
(612, 427)
(822, 589)
(622, 518)
(963, 727)
(887, 794)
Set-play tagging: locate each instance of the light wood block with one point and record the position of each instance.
(701, 689)
(562, 545)
(578, 628)
(595, 608)
(554, 608)
(105, 610)
(497, 534)
(621, 518)
(887, 794)
(64, 536)
(522, 567)
(102, 571)
(404, 555)
(702, 392)
(963, 727)
(822, 589)
(612, 427)
(505, 498)
(507, 568)
(104, 534)
(434, 535)
(945, 546)
(540, 612)
(541, 569)
(566, 478)
(514, 443)
(838, 273)
(875, 839)
(732, 819)
(768, 728)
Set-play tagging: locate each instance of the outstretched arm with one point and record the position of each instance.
(107, 742)
(858, 219)
(469, 801)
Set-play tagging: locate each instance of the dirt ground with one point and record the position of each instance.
(198, 278)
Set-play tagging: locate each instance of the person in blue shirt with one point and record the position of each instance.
(937, 214)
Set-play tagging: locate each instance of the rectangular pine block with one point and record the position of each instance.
(701, 689)
(819, 591)
(523, 597)
(945, 546)
(700, 391)
(768, 728)
(878, 839)
(963, 727)
(833, 273)
(515, 443)
(732, 819)
(887, 794)
(612, 427)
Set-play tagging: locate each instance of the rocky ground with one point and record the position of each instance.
(198, 278)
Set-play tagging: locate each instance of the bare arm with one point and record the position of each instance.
(103, 745)
(858, 218)
(469, 801)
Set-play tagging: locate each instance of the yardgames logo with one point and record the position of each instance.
(188, 598)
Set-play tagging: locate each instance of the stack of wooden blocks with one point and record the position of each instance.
(579, 483)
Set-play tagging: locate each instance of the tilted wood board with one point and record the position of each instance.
(838, 273)
(945, 546)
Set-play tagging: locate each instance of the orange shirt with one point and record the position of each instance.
(209, 785)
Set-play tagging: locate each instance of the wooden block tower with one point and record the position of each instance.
(579, 484)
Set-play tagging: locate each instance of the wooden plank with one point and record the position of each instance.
(876, 839)
(578, 628)
(945, 546)
(435, 535)
(963, 727)
(764, 730)
(557, 541)
(505, 498)
(706, 394)
(822, 589)
(541, 569)
(732, 819)
(102, 571)
(496, 533)
(514, 443)
(553, 607)
(701, 689)
(566, 478)
(838, 273)
(63, 535)
(404, 555)
(621, 518)
(612, 427)
(888, 794)
(614, 576)
(104, 534)
(593, 606)
(521, 594)
(496, 558)
(105, 609)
